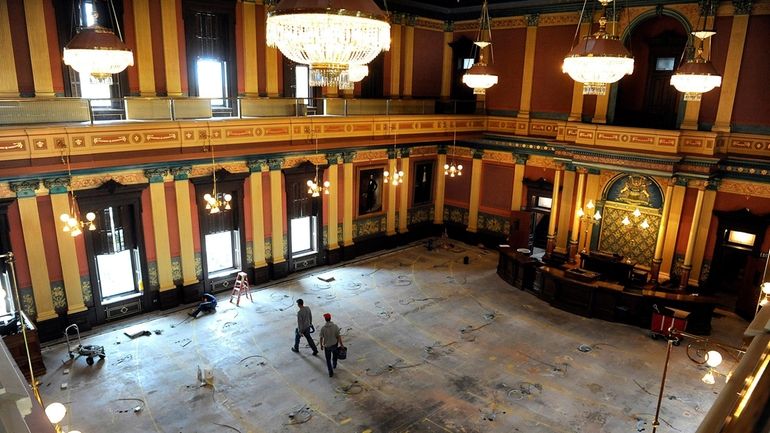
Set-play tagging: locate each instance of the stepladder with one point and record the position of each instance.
(240, 288)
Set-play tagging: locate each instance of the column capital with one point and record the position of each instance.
(397, 18)
(581, 170)
(520, 158)
(681, 181)
(478, 153)
(57, 185)
(411, 20)
(275, 164)
(449, 26)
(155, 175)
(347, 157)
(333, 158)
(405, 152)
(532, 20)
(742, 7)
(25, 188)
(392, 153)
(568, 166)
(441, 149)
(181, 173)
(713, 184)
(256, 165)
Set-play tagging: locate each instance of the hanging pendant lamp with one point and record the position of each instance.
(696, 76)
(482, 76)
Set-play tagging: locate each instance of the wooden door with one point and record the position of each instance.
(521, 229)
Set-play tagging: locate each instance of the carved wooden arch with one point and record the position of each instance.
(687, 15)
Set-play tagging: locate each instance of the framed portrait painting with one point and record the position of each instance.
(370, 191)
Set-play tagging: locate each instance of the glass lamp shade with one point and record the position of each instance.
(596, 61)
(96, 51)
(713, 358)
(695, 77)
(480, 77)
(55, 412)
(328, 35)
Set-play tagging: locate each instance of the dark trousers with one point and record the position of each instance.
(305, 333)
(208, 307)
(331, 358)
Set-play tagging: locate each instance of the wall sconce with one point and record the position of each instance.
(644, 225)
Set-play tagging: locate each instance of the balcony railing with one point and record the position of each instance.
(81, 110)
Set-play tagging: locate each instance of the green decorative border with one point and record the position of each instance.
(365, 227)
(421, 214)
(85, 288)
(456, 215)
(494, 223)
(58, 296)
(176, 270)
(152, 276)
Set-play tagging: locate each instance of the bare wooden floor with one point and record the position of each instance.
(434, 346)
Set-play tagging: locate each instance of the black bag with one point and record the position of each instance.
(342, 352)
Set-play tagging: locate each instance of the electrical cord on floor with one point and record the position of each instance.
(227, 426)
(351, 389)
(411, 300)
(136, 408)
(396, 365)
(300, 415)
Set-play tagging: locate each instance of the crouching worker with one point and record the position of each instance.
(208, 305)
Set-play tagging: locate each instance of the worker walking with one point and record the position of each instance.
(331, 341)
(304, 325)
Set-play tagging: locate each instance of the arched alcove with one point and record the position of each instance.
(646, 98)
(623, 230)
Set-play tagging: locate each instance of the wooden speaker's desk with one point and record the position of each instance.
(15, 344)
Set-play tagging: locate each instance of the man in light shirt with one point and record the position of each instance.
(330, 341)
(304, 324)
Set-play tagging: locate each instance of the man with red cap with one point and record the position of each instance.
(330, 341)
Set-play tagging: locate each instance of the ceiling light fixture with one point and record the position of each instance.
(215, 201)
(397, 177)
(72, 223)
(451, 169)
(97, 51)
(599, 59)
(314, 186)
(481, 76)
(696, 75)
(329, 35)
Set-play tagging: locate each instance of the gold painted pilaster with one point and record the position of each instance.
(731, 74)
(332, 199)
(38, 266)
(699, 249)
(184, 212)
(438, 212)
(529, 68)
(518, 184)
(554, 214)
(390, 217)
(687, 264)
(395, 61)
(592, 193)
(575, 233)
(257, 219)
(473, 204)
(68, 256)
(576, 111)
(271, 71)
(602, 104)
(565, 211)
(160, 228)
(249, 40)
(403, 199)
(658, 256)
(9, 85)
(144, 60)
(672, 227)
(171, 48)
(276, 210)
(446, 67)
(408, 60)
(37, 37)
(347, 203)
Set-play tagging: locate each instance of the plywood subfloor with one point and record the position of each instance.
(434, 346)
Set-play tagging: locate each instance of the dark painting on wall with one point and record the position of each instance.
(370, 191)
(423, 183)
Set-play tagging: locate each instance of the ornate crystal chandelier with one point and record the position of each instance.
(71, 222)
(598, 59)
(352, 75)
(481, 76)
(451, 169)
(697, 75)
(329, 38)
(98, 52)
